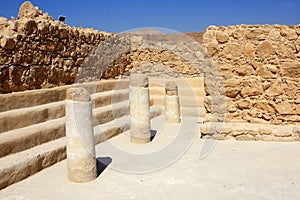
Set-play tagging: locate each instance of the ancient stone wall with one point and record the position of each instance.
(260, 70)
(258, 65)
(38, 52)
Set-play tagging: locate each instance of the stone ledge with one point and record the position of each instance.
(250, 132)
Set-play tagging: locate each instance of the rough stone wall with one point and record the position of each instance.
(151, 62)
(260, 71)
(38, 52)
(258, 66)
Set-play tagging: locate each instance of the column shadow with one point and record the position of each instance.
(153, 133)
(102, 163)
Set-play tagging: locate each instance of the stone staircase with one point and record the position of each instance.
(191, 94)
(32, 126)
(32, 123)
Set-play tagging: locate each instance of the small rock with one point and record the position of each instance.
(222, 37)
(284, 108)
(264, 50)
(30, 26)
(8, 43)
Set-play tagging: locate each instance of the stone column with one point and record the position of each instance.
(140, 131)
(172, 103)
(81, 161)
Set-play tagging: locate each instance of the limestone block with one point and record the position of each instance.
(222, 37)
(245, 70)
(265, 131)
(267, 71)
(244, 104)
(246, 137)
(275, 89)
(297, 110)
(251, 86)
(284, 108)
(265, 106)
(8, 43)
(30, 26)
(249, 50)
(274, 34)
(232, 87)
(265, 49)
(291, 69)
(43, 28)
(233, 50)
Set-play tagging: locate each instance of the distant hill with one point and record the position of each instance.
(197, 36)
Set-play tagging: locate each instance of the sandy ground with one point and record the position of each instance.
(163, 169)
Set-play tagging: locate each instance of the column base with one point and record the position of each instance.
(138, 140)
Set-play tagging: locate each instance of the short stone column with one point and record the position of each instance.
(172, 103)
(81, 161)
(140, 131)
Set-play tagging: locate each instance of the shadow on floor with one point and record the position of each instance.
(102, 163)
(153, 133)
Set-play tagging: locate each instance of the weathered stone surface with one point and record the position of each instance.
(297, 110)
(264, 105)
(244, 104)
(284, 108)
(275, 89)
(267, 71)
(212, 48)
(139, 80)
(291, 69)
(264, 50)
(222, 37)
(233, 50)
(78, 94)
(251, 86)
(26, 9)
(265, 131)
(249, 50)
(283, 132)
(245, 70)
(232, 87)
(30, 26)
(246, 137)
(8, 43)
(274, 34)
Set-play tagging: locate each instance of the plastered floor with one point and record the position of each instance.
(168, 169)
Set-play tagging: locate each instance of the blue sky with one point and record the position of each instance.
(182, 16)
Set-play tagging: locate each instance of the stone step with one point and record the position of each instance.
(185, 101)
(112, 128)
(38, 97)
(188, 91)
(24, 138)
(110, 112)
(192, 112)
(18, 166)
(23, 117)
(109, 97)
(181, 82)
(20, 118)
(250, 131)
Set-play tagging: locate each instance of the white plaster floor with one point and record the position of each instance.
(232, 170)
